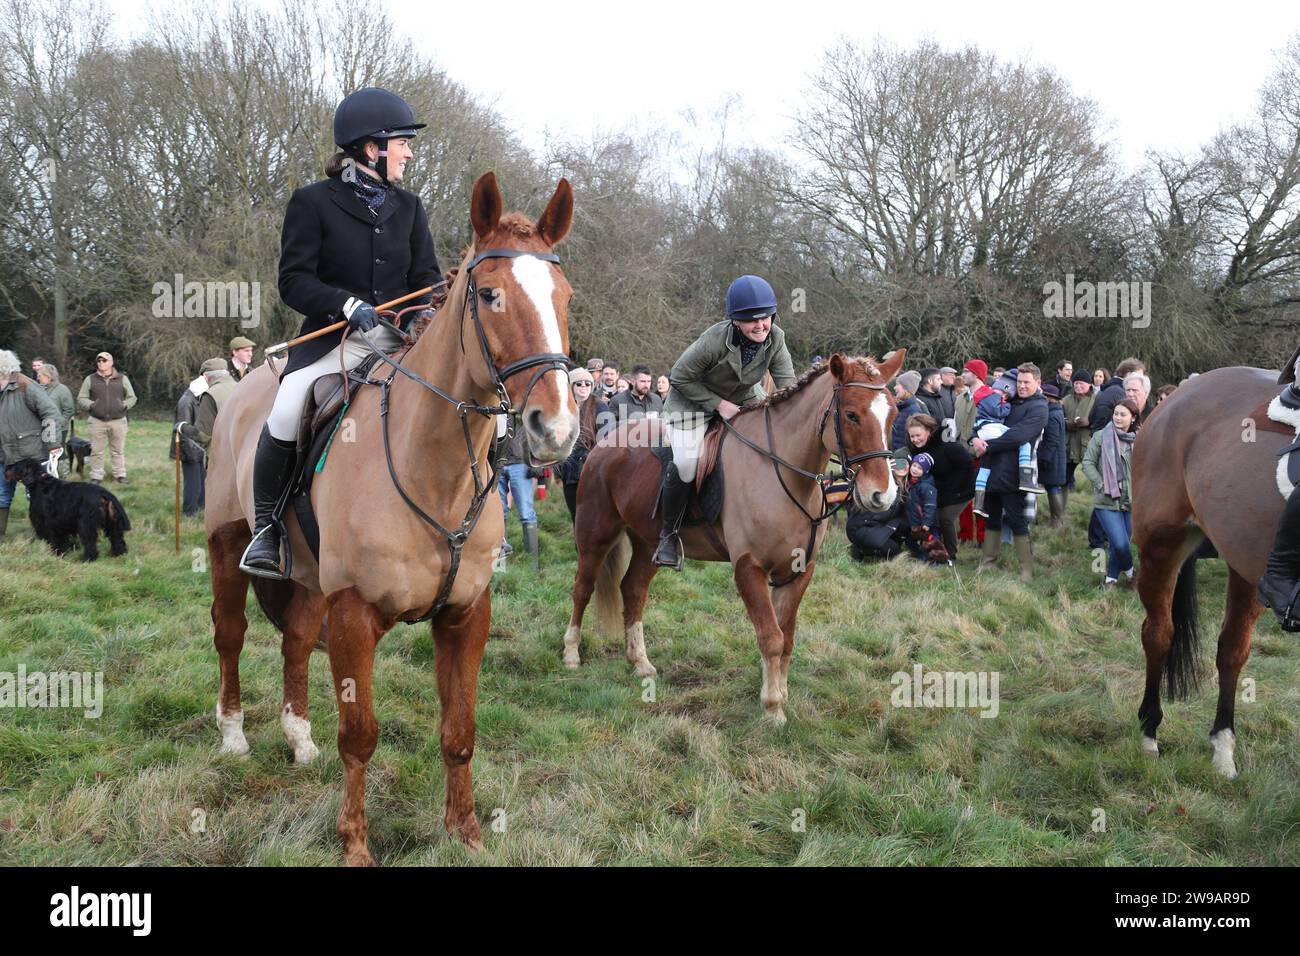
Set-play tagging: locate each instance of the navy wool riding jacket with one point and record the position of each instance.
(1025, 423)
(332, 248)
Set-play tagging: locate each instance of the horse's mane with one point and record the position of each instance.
(865, 364)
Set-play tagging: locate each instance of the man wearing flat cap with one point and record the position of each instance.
(107, 395)
(241, 357)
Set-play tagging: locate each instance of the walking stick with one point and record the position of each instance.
(177, 436)
(285, 346)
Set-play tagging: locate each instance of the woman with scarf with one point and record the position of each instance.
(593, 422)
(1106, 463)
(349, 241)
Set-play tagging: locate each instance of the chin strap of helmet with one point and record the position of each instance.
(358, 153)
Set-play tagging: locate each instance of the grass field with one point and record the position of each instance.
(574, 767)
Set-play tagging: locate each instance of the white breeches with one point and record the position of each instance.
(286, 413)
(685, 443)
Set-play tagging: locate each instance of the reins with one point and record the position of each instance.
(848, 466)
(544, 362)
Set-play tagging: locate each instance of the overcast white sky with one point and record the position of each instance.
(1167, 75)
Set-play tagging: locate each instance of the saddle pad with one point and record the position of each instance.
(1288, 464)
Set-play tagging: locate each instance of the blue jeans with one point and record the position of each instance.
(1118, 528)
(515, 479)
(6, 489)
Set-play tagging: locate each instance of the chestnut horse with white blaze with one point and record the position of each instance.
(1205, 465)
(771, 524)
(381, 560)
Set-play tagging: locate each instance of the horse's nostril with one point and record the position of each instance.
(535, 423)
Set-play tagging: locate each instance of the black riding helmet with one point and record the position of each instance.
(373, 113)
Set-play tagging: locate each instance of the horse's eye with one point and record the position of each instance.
(853, 417)
(489, 295)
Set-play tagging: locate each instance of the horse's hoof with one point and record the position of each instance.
(1150, 747)
(239, 748)
(298, 732)
(571, 659)
(1224, 743)
(233, 740)
(359, 857)
(775, 716)
(645, 669)
(305, 753)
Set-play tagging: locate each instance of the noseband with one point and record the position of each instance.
(543, 362)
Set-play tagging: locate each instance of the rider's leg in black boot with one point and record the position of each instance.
(676, 496)
(1279, 588)
(272, 469)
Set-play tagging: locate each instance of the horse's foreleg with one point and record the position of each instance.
(785, 602)
(1243, 609)
(460, 636)
(302, 618)
(355, 627)
(229, 595)
(751, 582)
(636, 588)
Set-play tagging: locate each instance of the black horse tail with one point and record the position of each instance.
(1183, 667)
(273, 598)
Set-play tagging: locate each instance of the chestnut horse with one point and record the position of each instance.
(764, 529)
(1204, 466)
(381, 560)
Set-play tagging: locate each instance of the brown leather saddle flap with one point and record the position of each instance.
(1263, 423)
(708, 459)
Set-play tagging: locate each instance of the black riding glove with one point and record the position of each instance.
(361, 316)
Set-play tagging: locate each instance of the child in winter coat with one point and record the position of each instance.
(923, 511)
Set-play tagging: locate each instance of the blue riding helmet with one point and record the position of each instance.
(750, 297)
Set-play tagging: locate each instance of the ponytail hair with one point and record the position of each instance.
(334, 165)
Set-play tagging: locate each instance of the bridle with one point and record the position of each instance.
(825, 482)
(542, 362)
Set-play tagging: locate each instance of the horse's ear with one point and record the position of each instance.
(891, 363)
(485, 208)
(837, 366)
(555, 222)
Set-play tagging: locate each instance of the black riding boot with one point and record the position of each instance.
(272, 470)
(676, 496)
(1279, 588)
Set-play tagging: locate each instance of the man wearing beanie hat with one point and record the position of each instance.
(1076, 405)
(1051, 455)
(972, 376)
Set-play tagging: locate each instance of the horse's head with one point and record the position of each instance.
(859, 421)
(521, 300)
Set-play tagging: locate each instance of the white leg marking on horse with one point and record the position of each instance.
(636, 651)
(534, 277)
(1149, 746)
(880, 408)
(298, 732)
(770, 695)
(1224, 743)
(233, 740)
(571, 638)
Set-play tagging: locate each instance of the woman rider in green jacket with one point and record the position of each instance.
(718, 373)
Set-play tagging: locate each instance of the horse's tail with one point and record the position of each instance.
(1183, 668)
(609, 596)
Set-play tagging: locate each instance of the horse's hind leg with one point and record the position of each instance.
(1243, 609)
(636, 588)
(355, 629)
(460, 636)
(751, 582)
(302, 620)
(1160, 558)
(229, 594)
(785, 602)
(595, 533)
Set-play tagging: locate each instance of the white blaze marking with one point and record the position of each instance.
(880, 408)
(534, 277)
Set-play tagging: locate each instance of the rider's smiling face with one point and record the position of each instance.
(756, 330)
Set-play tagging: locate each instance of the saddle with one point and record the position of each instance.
(1282, 415)
(322, 414)
(706, 502)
